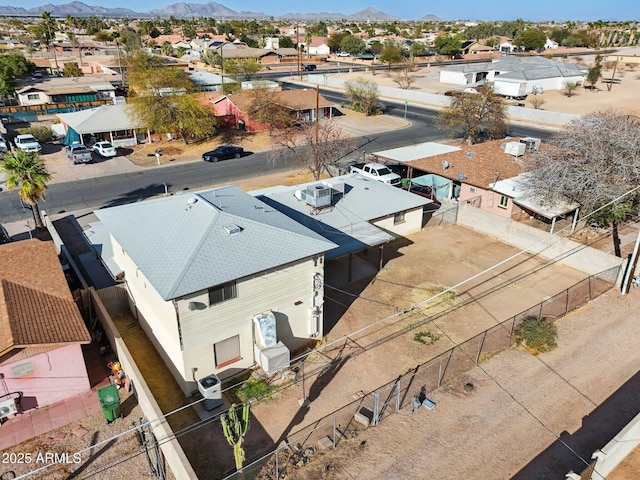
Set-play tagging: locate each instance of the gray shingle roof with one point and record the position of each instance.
(182, 244)
(346, 223)
(523, 67)
(107, 118)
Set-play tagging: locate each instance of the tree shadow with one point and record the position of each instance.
(323, 378)
(138, 194)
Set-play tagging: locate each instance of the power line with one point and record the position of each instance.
(417, 306)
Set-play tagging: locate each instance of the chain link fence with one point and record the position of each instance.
(371, 408)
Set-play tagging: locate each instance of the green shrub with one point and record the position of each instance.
(536, 335)
(43, 134)
(254, 388)
(231, 87)
(422, 336)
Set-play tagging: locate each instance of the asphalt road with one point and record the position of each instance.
(131, 187)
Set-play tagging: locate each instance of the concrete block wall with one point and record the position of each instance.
(553, 247)
(172, 451)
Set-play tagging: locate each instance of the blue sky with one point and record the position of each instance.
(533, 10)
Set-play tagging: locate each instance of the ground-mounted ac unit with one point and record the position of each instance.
(8, 407)
(270, 353)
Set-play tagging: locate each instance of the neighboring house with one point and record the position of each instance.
(319, 46)
(201, 269)
(41, 329)
(550, 44)
(465, 174)
(272, 43)
(109, 122)
(301, 103)
(66, 90)
(207, 81)
(534, 71)
(473, 47)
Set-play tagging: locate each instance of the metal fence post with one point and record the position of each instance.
(566, 307)
(398, 395)
(480, 345)
(440, 373)
(277, 452)
(513, 326)
(334, 432)
(376, 402)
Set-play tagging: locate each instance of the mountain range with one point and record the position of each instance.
(190, 10)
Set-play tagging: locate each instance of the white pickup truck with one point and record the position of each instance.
(378, 172)
(27, 143)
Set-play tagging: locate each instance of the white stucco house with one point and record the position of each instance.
(533, 71)
(319, 46)
(200, 269)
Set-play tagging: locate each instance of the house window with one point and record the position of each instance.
(472, 189)
(223, 292)
(33, 96)
(227, 351)
(504, 201)
(398, 218)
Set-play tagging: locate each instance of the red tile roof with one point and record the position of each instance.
(36, 306)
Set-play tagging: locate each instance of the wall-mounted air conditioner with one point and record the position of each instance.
(8, 407)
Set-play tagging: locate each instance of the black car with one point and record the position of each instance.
(309, 68)
(223, 152)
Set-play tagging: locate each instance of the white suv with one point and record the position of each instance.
(27, 143)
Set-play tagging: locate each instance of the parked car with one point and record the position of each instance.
(3, 144)
(78, 153)
(309, 68)
(27, 143)
(104, 149)
(343, 54)
(223, 152)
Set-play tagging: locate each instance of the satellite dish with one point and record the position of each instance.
(445, 164)
(192, 200)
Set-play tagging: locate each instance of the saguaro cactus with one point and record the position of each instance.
(234, 428)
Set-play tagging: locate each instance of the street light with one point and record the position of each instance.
(304, 401)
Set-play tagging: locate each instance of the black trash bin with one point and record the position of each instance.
(241, 124)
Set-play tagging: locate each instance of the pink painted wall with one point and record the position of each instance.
(56, 375)
(489, 200)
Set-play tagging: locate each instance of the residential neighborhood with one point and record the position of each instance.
(282, 305)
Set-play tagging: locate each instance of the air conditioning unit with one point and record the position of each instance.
(516, 149)
(8, 407)
(532, 144)
(318, 196)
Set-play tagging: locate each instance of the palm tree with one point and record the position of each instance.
(27, 173)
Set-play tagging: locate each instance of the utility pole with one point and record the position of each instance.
(298, 49)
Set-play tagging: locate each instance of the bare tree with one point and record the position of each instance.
(536, 101)
(363, 94)
(316, 146)
(404, 79)
(475, 116)
(569, 88)
(264, 107)
(593, 161)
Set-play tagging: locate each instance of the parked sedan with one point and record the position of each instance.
(104, 149)
(223, 152)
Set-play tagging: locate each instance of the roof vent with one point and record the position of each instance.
(445, 164)
(461, 176)
(230, 229)
(469, 154)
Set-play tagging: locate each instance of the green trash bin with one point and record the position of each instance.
(110, 402)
